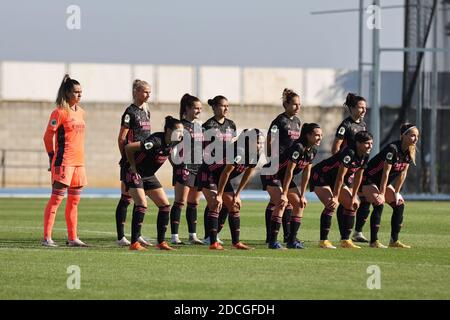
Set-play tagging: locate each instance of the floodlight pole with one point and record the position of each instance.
(419, 105)
(375, 83)
(433, 116)
(360, 46)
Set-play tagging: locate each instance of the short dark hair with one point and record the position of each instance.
(363, 136)
(216, 100)
(307, 128)
(171, 123)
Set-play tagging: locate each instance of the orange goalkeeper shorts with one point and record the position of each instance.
(70, 176)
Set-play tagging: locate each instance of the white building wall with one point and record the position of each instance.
(225, 81)
(109, 83)
(103, 82)
(266, 85)
(35, 81)
(323, 87)
(173, 82)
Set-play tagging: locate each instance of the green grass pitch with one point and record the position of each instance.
(30, 271)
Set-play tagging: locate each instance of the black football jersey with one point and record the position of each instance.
(347, 130)
(138, 123)
(348, 157)
(152, 155)
(391, 154)
(192, 146)
(298, 154)
(237, 156)
(288, 131)
(213, 130)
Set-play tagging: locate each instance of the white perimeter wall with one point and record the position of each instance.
(37, 81)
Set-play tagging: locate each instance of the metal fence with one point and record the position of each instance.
(23, 167)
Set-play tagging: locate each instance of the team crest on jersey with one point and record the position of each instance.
(295, 155)
(53, 122)
(127, 118)
(274, 128)
(148, 145)
(389, 156)
(341, 130)
(347, 159)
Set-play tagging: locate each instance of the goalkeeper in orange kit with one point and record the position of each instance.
(64, 142)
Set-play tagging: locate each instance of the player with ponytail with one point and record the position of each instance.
(64, 143)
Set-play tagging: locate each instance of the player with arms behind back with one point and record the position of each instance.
(64, 142)
(185, 173)
(223, 129)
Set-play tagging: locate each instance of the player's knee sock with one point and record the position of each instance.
(175, 216)
(340, 219)
(348, 221)
(275, 224)
(268, 216)
(161, 222)
(296, 221)
(362, 214)
(73, 199)
(286, 221)
(375, 220)
(53, 203)
(325, 223)
(223, 214)
(213, 223)
(205, 222)
(191, 217)
(234, 220)
(396, 221)
(121, 214)
(134, 207)
(136, 222)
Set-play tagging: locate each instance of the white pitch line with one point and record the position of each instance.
(217, 256)
(114, 233)
(59, 229)
(302, 259)
(240, 257)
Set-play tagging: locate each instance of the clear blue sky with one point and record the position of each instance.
(280, 33)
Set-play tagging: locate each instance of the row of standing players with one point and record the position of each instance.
(347, 181)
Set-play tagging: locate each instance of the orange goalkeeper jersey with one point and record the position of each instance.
(65, 137)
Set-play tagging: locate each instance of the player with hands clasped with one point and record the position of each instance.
(336, 180)
(282, 188)
(383, 180)
(144, 160)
